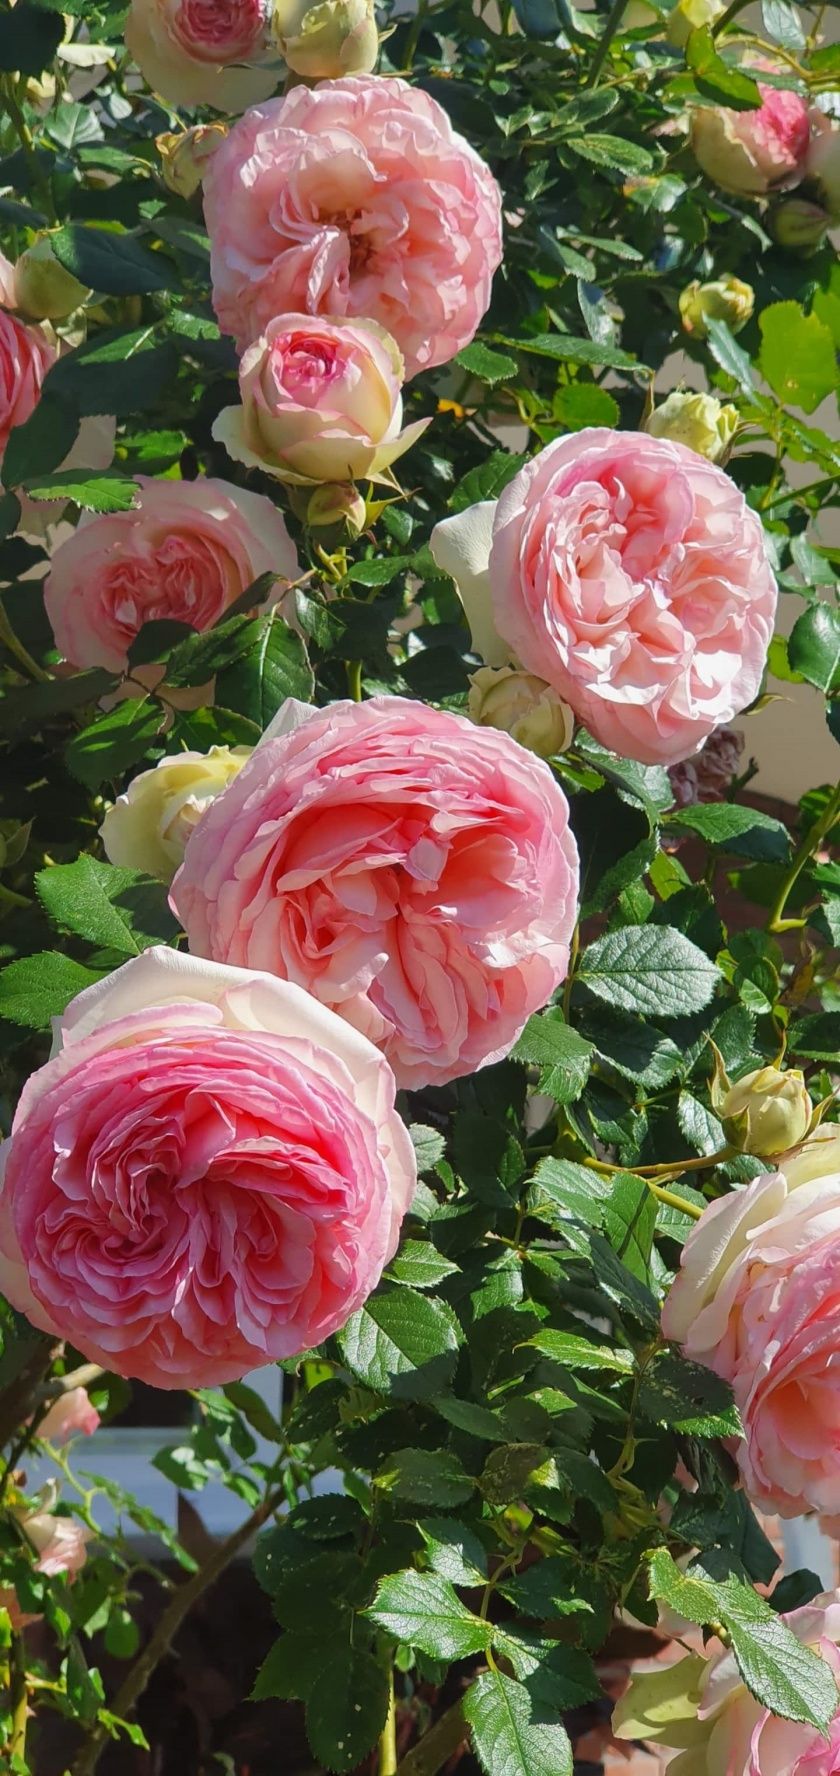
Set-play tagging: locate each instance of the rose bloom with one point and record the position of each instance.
(757, 1299)
(208, 1175)
(411, 870)
(59, 1545)
(822, 165)
(523, 706)
(354, 198)
(186, 551)
(701, 1709)
(69, 1416)
(753, 152)
(188, 50)
(25, 357)
(708, 776)
(629, 573)
(147, 828)
(320, 400)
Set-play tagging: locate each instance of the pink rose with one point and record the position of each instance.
(757, 1299)
(208, 1175)
(187, 551)
(321, 401)
(59, 1545)
(190, 51)
(629, 573)
(822, 166)
(25, 357)
(69, 1416)
(410, 869)
(753, 152)
(354, 198)
(701, 1709)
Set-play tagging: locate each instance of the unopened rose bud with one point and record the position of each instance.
(767, 1112)
(522, 705)
(43, 289)
(798, 225)
(822, 164)
(184, 155)
(691, 15)
(149, 826)
(338, 502)
(700, 421)
(724, 299)
(324, 40)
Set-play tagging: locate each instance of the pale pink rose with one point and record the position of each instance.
(354, 198)
(186, 551)
(753, 152)
(26, 355)
(822, 166)
(321, 401)
(192, 51)
(59, 1545)
(701, 1709)
(757, 1299)
(69, 1416)
(410, 869)
(208, 1175)
(629, 573)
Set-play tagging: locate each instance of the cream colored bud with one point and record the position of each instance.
(691, 15)
(700, 421)
(522, 705)
(43, 289)
(337, 502)
(324, 40)
(149, 826)
(799, 225)
(767, 1112)
(184, 155)
(726, 299)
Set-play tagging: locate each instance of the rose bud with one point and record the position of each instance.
(321, 401)
(523, 706)
(184, 155)
(43, 289)
(68, 1416)
(324, 40)
(753, 152)
(337, 502)
(767, 1112)
(148, 827)
(822, 164)
(700, 421)
(726, 299)
(691, 15)
(798, 225)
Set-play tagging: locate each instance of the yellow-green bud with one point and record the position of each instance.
(767, 1112)
(184, 155)
(700, 421)
(324, 40)
(522, 705)
(799, 225)
(337, 502)
(43, 289)
(690, 15)
(724, 299)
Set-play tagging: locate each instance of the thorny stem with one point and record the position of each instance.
(614, 18)
(811, 843)
(354, 680)
(19, 652)
(17, 1697)
(388, 1736)
(176, 1611)
(27, 142)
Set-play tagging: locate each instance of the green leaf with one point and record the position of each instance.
(579, 1353)
(429, 1146)
(271, 668)
(454, 1551)
(688, 1398)
(635, 1049)
(486, 481)
(115, 909)
(419, 1264)
(402, 1344)
(31, 705)
(29, 38)
(570, 350)
(582, 404)
(511, 1733)
(293, 1667)
(797, 355)
(613, 152)
(629, 1223)
(651, 969)
(111, 745)
(715, 79)
(816, 1038)
(426, 1477)
(745, 831)
(96, 490)
(489, 366)
(563, 1057)
(423, 1610)
(559, 1676)
(38, 988)
(116, 371)
(43, 441)
(346, 1709)
(563, 1190)
(729, 355)
(110, 262)
(814, 646)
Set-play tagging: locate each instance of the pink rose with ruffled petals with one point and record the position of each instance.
(71, 1415)
(630, 574)
(25, 357)
(356, 197)
(757, 1299)
(701, 1710)
(753, 152)
(209, 1175)
(189, 50)
(410, 869)
(186, 551)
